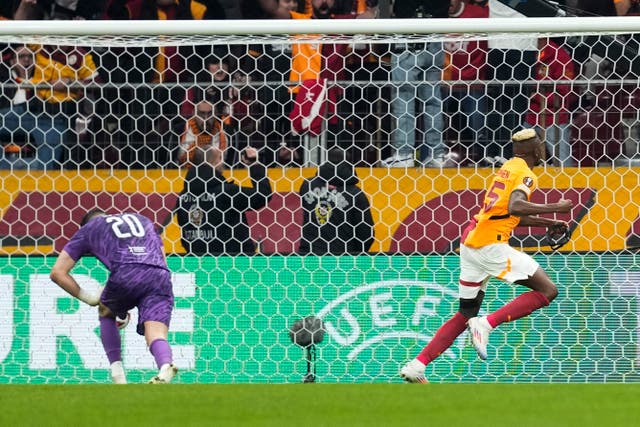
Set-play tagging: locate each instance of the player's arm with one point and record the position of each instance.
(622, 6)
(520, 206)
(272, 7)
(538, 221)
(60, 274)
(28, 9)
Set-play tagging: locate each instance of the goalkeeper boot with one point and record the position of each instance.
(479, 329)
(413, 372)
(117, 373)
(165, 375)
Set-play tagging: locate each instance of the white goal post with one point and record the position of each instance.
(586, 25)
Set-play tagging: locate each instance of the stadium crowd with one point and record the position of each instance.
(139, 107)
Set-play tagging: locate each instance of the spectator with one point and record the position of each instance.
(225, 9)
(8, 8)
(60, 9)
(550, 108)
(14, 100)
(341, 6)
(602, 7)
(214, 86)
(614, 57)
(152, 119)
(204, 130)
(318, 62)
(244, 115)
(274, 63)
(467, 61)
(275, 58)
(211, 210)
(171, 63)
(18, 64)
(511, 62)
(626, 7)
(29, 10)
(416, 71)
(61, 74)
(336, 213)
(236, 104)
(235, 99)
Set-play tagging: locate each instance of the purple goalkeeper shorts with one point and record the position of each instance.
(145, 287)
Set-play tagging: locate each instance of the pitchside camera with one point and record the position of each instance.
(307, 333)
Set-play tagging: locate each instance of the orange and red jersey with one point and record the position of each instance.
(168, 64)
(357, 6)
(194, 137)
(553, 101)
(311, 61)
(494, 224)
(467, 59)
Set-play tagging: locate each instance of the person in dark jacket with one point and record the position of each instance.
(411, 63)
(211, 210)
(336, 212)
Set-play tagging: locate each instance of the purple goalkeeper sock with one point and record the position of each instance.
(161, 352)
(110, 336)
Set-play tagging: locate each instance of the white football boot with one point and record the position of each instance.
(413, 372)
(479, 329)
(165, 375)
(117, 373)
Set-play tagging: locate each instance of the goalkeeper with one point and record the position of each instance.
(485, 253)
(131, 249)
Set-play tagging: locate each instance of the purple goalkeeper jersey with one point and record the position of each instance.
(117, 240)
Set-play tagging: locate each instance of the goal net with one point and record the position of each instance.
(412, 125)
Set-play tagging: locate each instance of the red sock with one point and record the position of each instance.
(443, 338)
(523, 305)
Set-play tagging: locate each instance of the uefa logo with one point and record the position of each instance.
(386, 313)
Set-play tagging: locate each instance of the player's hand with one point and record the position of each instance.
(91, 298)
(249, 156)
(564, 205)
(559, 223)
(558, 234)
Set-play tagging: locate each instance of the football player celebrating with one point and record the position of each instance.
(131, 249)
(485, 253)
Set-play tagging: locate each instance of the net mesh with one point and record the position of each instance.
(117, 122)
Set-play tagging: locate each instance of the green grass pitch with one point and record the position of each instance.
(468, 405)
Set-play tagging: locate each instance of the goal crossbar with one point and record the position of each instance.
(338, 26)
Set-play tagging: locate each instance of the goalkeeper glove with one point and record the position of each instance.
(558, 235)
(89, 297)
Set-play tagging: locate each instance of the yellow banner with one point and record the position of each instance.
(39, 211)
